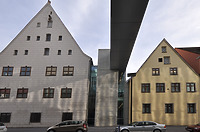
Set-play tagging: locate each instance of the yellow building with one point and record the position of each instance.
(166, 89)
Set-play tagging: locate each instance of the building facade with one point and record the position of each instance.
(166, 88)
(45, 76)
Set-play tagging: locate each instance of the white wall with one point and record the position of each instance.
(51, 109)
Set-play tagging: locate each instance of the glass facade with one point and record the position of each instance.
(120, 112)
(92, 96)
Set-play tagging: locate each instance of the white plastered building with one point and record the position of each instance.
(44, 74)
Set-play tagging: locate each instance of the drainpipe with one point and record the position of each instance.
(131, 100)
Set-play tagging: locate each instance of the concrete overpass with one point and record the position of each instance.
(126, 18)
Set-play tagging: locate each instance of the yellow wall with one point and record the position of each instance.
(158, 100)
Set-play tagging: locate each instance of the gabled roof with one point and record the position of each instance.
(182, 58)
(191, 49)
(46, 12)
(191, 56)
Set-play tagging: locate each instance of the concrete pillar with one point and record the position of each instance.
(106, 91)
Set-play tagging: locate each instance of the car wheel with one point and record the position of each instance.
(156, 130)
(79, 130)
(51, 131)
(125, 131)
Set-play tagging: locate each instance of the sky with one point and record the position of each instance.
(178, 21)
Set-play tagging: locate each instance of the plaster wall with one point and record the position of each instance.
(180, 116)
(51, 109)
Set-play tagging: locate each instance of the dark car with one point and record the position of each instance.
(193, 128)
(69, 126)
(142, 126)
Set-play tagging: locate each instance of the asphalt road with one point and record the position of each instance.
(93, 129)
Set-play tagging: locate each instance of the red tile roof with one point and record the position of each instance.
(192, 58)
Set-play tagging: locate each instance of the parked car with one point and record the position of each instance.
(3, 128)
(193, 128)
(142, 126)
(69, 126)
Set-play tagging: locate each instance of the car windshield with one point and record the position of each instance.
(62, 124)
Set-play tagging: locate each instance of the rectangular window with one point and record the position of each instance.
(48, 93)
(59, 52)
(38, 38)
(68, 71)
(38, 24)
(46, 51)
(173, 71)
(50, 24)
(120, 93)
(35, 118)
(175, 87)
(51, 71)
(26, 52)
(190, 87)
(159, 59)
(60, 38)
(191, 108)
(7, 71)
(66, 93)
(145, 88)
(169, 108)
(25, 71)
(22, 92)
(167, 60)
(67, 116)
(164, 49)
(5, 117)
(160, 87)
(4, 93)
(69, 52)
(155, 71)
(93, 82)
(146, 108)
(48, 37)
(15, 52)
(28, 38)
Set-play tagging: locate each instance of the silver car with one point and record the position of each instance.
(142, 126)
(3, 128)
